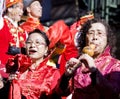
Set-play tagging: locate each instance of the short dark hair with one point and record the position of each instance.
(43, 34)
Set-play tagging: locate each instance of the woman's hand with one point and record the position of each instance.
(12, 77)
(71, 66)
(88, 61)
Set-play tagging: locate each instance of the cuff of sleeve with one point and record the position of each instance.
(93, 75)
(64, 82)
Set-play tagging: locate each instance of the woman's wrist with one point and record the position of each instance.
(93, 75)
(93, 69)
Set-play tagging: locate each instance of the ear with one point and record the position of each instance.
(28, 9)
(10, 9)
(46, 50)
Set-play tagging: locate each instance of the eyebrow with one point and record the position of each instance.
(94, 30)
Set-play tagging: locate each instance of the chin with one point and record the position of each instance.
(31, 56)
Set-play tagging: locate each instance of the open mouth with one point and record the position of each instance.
(32, 51)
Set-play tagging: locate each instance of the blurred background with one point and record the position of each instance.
(71, 11)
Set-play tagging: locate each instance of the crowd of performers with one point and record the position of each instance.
(56, 62)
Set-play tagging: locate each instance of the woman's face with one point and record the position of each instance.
(35, 9)
(97, 35)
(36, 46)
(16, 12)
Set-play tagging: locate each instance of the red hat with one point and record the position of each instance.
(11, 2)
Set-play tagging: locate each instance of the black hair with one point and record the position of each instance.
(43, 34)
(81, 38)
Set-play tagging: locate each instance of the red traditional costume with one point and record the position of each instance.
(34, 86)
(58, 32)
(10, 35)
(32, 24)
(18, 34)
(38, 81)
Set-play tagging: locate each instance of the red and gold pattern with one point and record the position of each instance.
(32, 24)
(11, 2)
(17, 34)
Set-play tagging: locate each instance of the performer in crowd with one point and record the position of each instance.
(13, 14)
(9, 38)
(33, 12)
(33, 78)
(96, 74)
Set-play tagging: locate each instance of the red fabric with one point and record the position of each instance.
(18, 63)
(59, 31)
(15, 91)
(16, 31)
(71, 50)
(32, 24)
(41, 79)
(5, 38)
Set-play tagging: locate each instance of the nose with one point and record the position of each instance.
(32, 44)
(95, 36)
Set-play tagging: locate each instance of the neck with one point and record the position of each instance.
(1, 23)
(12, 19)
(35, 18)
(36, 62)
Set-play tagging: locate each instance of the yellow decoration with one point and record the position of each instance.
(89, 49)
(51, 63)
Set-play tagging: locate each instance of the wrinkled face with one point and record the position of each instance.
(36, 46)
(97, 35)
(16, 12)
(35, 9)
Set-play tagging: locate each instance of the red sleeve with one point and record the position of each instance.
(56, 76)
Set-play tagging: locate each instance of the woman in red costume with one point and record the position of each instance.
(34, 12)
(31, 77)
(35, 79)
(14, 11)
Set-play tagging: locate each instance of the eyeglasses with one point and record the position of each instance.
(37, 43)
